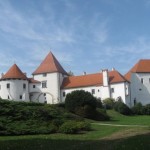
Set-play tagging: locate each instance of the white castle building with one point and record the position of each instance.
(51, 83)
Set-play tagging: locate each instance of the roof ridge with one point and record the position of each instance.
(49, 65)
(14, 73)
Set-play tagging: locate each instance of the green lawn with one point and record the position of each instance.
(117, 118)
(101, 137)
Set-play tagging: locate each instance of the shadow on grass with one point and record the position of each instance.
(138, 142)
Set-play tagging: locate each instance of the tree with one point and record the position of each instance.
(122, 108)
(79, 98)
(109, 103)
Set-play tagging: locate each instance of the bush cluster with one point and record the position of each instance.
(122, 108)
(20, 118)
(85, 105)
(108, 103)
(72, 127)
(79, 98)
(139, 109)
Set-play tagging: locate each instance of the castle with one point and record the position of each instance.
(51, 83)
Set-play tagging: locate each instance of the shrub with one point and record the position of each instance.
(146, 109)
(122, 108)
(102, 114)
(72, 127)
(138, 109)
(84, 126)
(99, 103)
(79, 98)
(69, 127)
(109, 103)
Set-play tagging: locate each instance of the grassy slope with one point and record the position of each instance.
(102, 137)
(128, 120)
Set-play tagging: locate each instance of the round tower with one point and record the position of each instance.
(14, 85)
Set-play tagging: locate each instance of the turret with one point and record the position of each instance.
(14, 85)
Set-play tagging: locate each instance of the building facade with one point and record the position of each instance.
(51, 83)
(139, 78)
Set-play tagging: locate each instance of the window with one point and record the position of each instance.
(0, 87)
(93, 91)
(8, 97)
(98, 90)
(112, 90)
(33, 86)
(149, 80)
(64, 94)
(24, 86)
(44, 75)
(134, 101)
(44, 94)
(142, 80)
(44, 84)
(20, 96)
(8, 85)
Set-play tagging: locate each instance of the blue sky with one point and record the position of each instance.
(84, 35)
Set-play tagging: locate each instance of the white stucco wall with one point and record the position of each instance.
(121, 90)
(140, 91)
(100, 92)
(35, 94)
(15, 91)
(53, 86)
(89, 89)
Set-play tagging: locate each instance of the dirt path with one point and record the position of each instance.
(119, 125)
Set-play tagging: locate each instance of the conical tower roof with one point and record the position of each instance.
(49, 65)
(14, 73)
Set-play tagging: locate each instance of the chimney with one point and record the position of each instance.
(25, 73)
(105, 77)
(113, 69)
(84, 73)
(1, 75)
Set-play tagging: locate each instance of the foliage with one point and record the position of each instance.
(122, 108)
(101, 137)
(146, 109)
(72, 127)
(99, 103)
(79, 98)
(137, 109)
(109, 103)
(20, 118)
(84, 104)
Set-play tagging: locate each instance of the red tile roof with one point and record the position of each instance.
(142, 66)
(91, 80)
(50, 64)
(31, 80)
(14, 73)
